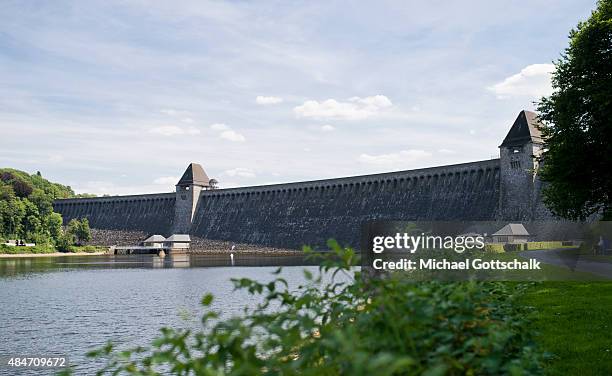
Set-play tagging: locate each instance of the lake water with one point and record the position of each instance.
(69, 305)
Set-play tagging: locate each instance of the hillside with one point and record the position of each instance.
(24, 184)
(26, 206)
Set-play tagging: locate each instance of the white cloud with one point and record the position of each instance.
(532, 81)
(166, 180)
(395, 159)
(183, 116)
(227, 133)
(219, 127)
(173, 130)
(241, 172)
(355, 108)
(446, 151)
(233, 136)
(169, 112)
(268, 100)
(327, 128)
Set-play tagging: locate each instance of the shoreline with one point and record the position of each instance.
(194, 253)
(53, 254)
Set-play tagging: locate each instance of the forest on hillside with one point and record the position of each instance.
(26, 210)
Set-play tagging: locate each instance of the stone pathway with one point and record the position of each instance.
(560, 257)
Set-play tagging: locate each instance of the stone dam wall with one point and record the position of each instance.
(291, 215)
(152, 213)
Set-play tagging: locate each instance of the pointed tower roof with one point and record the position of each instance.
(194, 175)
(524, 130)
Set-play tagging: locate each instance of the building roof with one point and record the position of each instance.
(154, 239)
(194, 175)
(179, 238)
(524, 130)
(512, 229)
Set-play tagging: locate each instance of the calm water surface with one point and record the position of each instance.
(69, 305)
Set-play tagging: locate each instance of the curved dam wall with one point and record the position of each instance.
(152, 213)
(291, 215)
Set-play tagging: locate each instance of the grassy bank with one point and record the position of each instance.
(42, 249)
(573, 322)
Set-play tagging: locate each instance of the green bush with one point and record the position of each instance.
(382, 326)
(64, 242)
(510, 247)
(494, 247)
(544, 245)
(87, 249)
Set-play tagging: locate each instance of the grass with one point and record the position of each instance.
(529, 246)
(5, 249)
(547, 273)
(573, 322)
(41, 249)
(88, 249)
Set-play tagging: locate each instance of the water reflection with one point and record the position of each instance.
(15, 266)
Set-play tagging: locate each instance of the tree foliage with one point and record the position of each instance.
(578, 122)
(80, 230)
(26, 210)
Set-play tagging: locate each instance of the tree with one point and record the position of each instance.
(84, 234)
(80, 230)
(14, 212)
(22, 188)
(43, 202)
(54, 224)
(64, 242)
(6, 193)
(577, 162)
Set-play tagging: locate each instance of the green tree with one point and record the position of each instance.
(577, 164)
(64, 242)
(43, 202)
(13, 214)
(84, 234)
(3, 214)
(80, 230)
(26, 208)
(54, 225)
(22, 187)
(6, 192)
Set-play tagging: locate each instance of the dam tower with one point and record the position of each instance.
(519, 182)
(188, 189)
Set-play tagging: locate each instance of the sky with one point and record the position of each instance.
(118, 97)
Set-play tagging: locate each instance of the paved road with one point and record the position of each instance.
(574, 262)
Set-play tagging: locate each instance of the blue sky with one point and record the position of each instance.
(118, 97)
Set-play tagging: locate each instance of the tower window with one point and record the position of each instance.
(515, 164)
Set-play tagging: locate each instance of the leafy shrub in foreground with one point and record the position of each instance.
(329, 326)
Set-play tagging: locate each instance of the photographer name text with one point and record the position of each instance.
(444, 264)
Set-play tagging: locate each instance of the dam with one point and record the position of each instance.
(311, 212)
